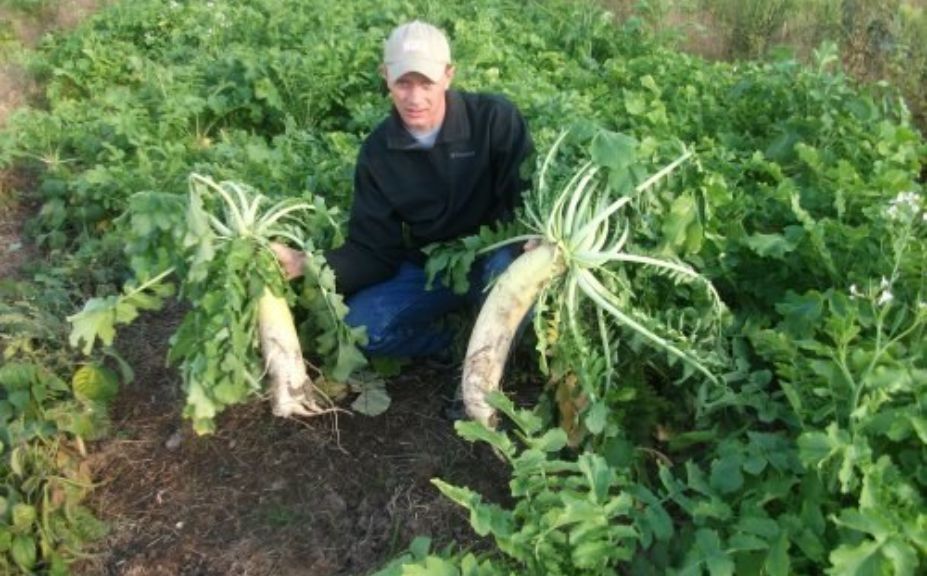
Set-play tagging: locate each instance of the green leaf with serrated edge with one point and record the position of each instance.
(553, 440)
(920, 426)
(716, 560)
(862, 559)
(816, 447)
(96, 320)
(774, 246)
(350, 359)
(598, 475)
(659, 520)
(24, 552)
(24, 516)
(490, 519)
(613, 150)
(747, 543)
(528, 423)
(420, 546)
(726, 474)
(434, 566)
(902, 557)
(337, 342)
(801, 312)
(596, 417)
(18, 375)
(594, 554)
(99, 317)
(794, 398)
(373, 401)
(765, 527)
(866, 521)
(681, 229)
(777, 561)
(476, 431)
(462, 496)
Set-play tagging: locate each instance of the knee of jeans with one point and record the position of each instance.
(376, 325)
(487, 270)
(497, 262)
(377, 344)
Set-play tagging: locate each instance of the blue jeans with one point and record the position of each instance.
(403, 318)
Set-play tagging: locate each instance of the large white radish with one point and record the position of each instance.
(290, 384)
(513, 295)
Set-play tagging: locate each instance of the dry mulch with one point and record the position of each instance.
(271, 496)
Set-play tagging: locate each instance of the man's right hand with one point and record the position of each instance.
(292, 261)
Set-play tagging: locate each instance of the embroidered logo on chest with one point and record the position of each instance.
(463, 154)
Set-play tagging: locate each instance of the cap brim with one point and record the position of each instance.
(430, 69)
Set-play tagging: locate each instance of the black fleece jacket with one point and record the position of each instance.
(406, 197)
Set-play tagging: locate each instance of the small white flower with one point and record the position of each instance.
(884, 298)
(854, 291)
(885, 283)
(905, 205)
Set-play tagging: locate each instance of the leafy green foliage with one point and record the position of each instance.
(335, 341)
(803, 194)
(223, 250)
(570, 517)
(100, 316)
(42, 479)
(44, 423)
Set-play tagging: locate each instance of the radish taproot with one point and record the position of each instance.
(578, 233)
(291, 388)
(506, 306)
(238, 330)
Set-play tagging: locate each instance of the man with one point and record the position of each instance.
(440, 166)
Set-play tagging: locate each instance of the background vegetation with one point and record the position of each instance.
(878, 40)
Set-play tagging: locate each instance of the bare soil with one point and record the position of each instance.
(267, 496)
(14, 251)
(27, 29)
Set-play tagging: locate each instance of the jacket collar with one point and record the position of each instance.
(456, 125)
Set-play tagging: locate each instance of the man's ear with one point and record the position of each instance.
(449, 73)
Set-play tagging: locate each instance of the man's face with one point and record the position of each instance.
(419, 100)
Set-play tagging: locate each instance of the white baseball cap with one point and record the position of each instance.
(416, 47)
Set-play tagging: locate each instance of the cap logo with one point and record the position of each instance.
(413, 45)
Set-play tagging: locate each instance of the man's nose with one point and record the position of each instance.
(416, 93)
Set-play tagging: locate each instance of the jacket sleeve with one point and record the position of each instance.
(373, 248)
(512, 159)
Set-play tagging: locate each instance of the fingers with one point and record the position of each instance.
(292, 261)
(531, 244)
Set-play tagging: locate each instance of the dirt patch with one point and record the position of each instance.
(30, 24)
(271, 496)
(14, 251)
(26, 29)
(16, 88)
